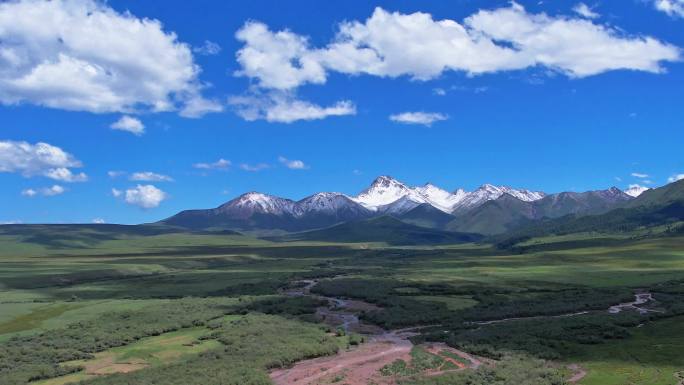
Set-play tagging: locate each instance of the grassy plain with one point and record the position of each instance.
(50, 282)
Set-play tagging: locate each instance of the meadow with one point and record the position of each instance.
(124, 307)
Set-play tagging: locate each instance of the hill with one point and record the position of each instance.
(509, 213)
(661, 207)
(381, 229)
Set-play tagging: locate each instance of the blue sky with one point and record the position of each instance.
(562, 98)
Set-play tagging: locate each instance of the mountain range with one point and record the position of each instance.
(487, 210)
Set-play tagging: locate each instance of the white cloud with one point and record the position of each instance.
(209, 48)
(639, 175)
(39, 159)
(148, 176)
(47, 191)
(129, 124)
(65, 175)
(83, 55)
(635, 190)
(220, 164)
(197, 106)
(98, 221)
(292, 164)
(283, 107)
(116, 193)
(424, 118)
(439, 91)
(585, 11)
(54, 190)
(392, 44)
(13, 222)
(255, 167)
(671, 7)
(675, 178)
(144, 196)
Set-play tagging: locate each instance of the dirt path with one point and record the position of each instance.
(578, 373)
(357, 367)
(361, 365)
(440, 348)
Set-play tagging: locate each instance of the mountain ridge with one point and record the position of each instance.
(458, 210)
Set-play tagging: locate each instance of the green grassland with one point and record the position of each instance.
(188, 306)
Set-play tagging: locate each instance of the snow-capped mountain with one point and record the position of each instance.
(440, 198)
(250, 203)
(635, 190)
(488, 192)
(385, 191)
(330, 203)
(388, 196)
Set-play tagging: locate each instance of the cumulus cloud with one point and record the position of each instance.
(254, 167)
(116, 193)
(148, 176)
(424, 118)
(585, 11)
(209, 48)
(39, 159)
(98, 221)
(129, 124)
(675, 178)
(143, 196)
(671, 7)
(65, 175)
(283, 107)
(221, 164)
(197, 106)
(392, 44)
(292, 164)
(639, 175)
(83, 55)
(47, 191)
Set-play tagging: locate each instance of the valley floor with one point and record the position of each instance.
(193, 308)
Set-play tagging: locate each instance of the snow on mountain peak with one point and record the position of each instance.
(328, 202)
(263, 203)
(384, 191)
(635, 190)
(440, 198)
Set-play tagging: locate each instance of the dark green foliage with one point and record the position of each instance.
(285, 305)
(35, 357)
(495, 307)
(510, 370)
(252, 344)
(397, 310)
